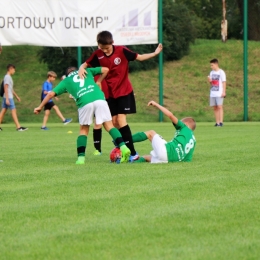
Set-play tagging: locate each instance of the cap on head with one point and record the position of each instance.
(190, 122)
(69, 70)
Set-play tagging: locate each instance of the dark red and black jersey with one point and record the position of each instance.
(117, 80)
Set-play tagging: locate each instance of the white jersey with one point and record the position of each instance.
(9, 81)
(217, 78)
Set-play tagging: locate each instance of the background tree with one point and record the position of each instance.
(209, 16)
(253, 18)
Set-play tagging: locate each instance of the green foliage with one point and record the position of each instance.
(209, 16)
(58, 59)
(178, 33)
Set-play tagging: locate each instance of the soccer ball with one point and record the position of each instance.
(115, 155)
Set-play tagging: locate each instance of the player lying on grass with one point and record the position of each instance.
(90, 100)
(180, 148)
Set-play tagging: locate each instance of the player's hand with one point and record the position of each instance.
(82, 73)
(7, 102)
(158, 49)
(209, 79)
(18, 99)
(223, 94)
(37, 110)
(56, 98)
(152, 103)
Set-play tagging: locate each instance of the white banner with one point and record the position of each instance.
(77, 23)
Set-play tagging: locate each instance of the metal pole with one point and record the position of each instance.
(160, 34)
(245, 60)
(79, 54)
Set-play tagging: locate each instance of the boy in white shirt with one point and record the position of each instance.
(217, 80)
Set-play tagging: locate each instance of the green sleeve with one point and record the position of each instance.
(60, 88)
(179, 125)
(95, 71)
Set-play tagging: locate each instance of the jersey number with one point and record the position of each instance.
(189, 146)
(77, 79)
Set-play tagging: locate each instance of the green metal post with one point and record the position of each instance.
(160, 34)
(79, 56)
(245, 60)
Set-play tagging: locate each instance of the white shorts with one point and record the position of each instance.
(99, 108)
(159, 152)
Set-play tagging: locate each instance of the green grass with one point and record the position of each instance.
(186, 89)
(51, 208)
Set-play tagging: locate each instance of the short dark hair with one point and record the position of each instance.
(69, 70)
(10, 66)
(105, 38)
(214, 61)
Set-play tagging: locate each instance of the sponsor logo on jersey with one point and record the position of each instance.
(127, 108)
(100, 57)
(117, 61)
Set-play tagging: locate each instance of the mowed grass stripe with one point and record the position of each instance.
(53, 209)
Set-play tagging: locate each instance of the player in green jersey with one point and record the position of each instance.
(90, 100)
(180, 148)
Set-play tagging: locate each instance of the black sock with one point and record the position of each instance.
(127, 136)
(97, 134)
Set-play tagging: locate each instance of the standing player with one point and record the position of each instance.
(121, 99)
(90, 100)
(217, 80)
(46, 88)
(8, 98)
(179, 149)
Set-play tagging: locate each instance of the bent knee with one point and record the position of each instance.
(150, 134)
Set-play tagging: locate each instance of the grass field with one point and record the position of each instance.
(51, 208)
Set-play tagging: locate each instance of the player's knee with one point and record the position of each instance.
(121, 120)
(150, 134)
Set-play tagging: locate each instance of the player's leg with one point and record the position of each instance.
(143, 158)
(212, 103)
(103, 116)
(45, 118)
(85, 115)
(159, 152)
(220, 101)
(82, 141)
(3, 111)
(15, 118)
(118, 139)
(217, 114)
(2, 114)
(59, 114)
(97, 136)
(119, 109)
(221, 115)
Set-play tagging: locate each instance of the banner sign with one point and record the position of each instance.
(77, 23)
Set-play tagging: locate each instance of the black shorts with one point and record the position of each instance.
(49, 106)
(122, 105)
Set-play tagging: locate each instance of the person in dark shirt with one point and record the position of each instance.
(121, 98)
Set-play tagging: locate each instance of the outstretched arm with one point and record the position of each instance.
(49, 96)
(169, 114)
(147, 56)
